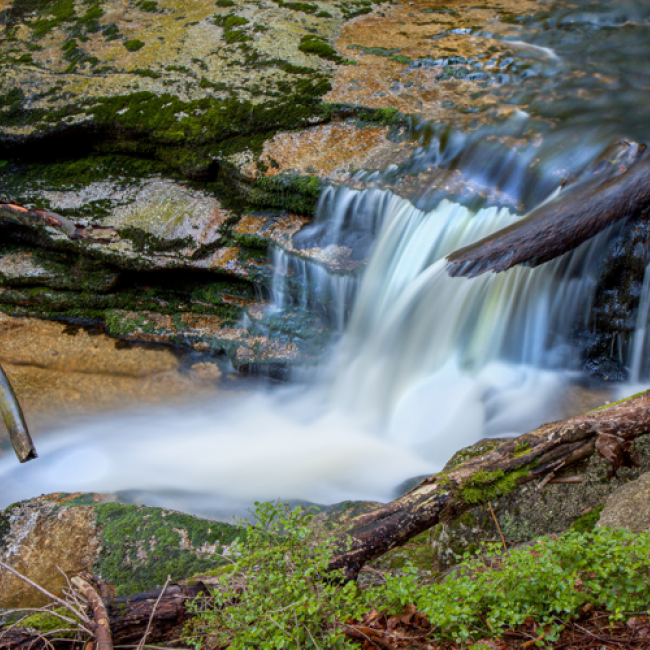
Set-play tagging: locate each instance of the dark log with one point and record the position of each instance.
(14, 419)
(562, 224)
(129, 617)
(535, 456)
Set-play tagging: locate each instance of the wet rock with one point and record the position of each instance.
(628, 506)
(60, 371)
(207, 333)
(132, 547)
(607, 339)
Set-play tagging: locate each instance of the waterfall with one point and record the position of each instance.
(639, 342)
(310, 277)
(437, 362)
(445, 361)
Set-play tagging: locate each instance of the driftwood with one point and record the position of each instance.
(535, 456)
(14, 419)
(562, 224)
(128, 617)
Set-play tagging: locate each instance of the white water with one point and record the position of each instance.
(428, 364)
(640, 340)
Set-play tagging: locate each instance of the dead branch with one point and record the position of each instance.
(560, 225)
(15, 421)
(101, 628)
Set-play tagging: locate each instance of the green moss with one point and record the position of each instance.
(474, 451)
(587, 523)
(521, 449)
(488, 486)
(112, 32)
(225, 3)
(142, 546)
(148, 5)
(44, 622)
(134, 45)
(620, 401)
(287, 191)
(145, 72)
(310, 44)
(304, 7)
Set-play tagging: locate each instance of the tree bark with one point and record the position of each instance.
(128, 617)
(559, 226)
(535, 456)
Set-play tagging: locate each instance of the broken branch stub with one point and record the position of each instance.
(15, 421)
(560, 225)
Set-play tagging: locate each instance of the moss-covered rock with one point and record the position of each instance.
(132, 547)
(526, 512)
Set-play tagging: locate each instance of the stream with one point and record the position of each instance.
(421, 364)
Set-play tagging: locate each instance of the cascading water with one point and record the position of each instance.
(425, 364)
(342, 234)
(638, 360)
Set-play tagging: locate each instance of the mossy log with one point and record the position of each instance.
(536, 456)
(129, 618)
(560, 225)
(15, 421)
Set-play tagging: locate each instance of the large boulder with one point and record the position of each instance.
(628, 506)
(131, 547)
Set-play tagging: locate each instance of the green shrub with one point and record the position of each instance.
(550, 581)
(275, 595)
(278, 594)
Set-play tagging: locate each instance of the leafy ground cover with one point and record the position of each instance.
(582, 590)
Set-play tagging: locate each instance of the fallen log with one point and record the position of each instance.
(128, 618)
(14, 419)
(562, 224)
(535, 456)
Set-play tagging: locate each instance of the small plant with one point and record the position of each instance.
(279, 594)
(549, 582)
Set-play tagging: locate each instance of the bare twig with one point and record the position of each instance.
(496, 521)
(153, 613)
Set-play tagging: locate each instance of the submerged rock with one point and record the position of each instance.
(131, 547)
